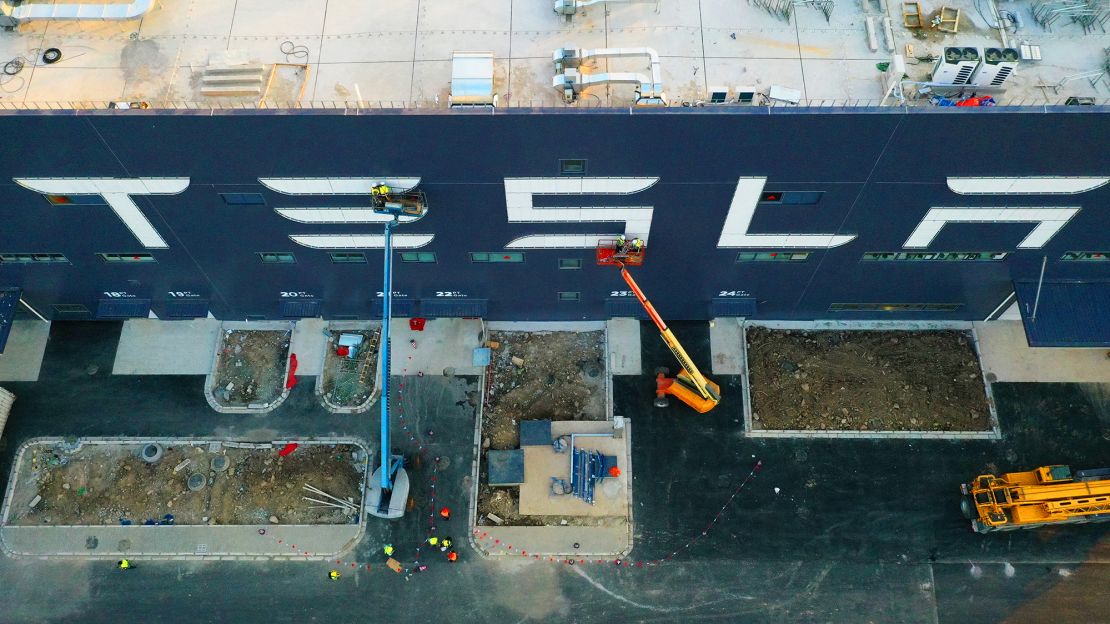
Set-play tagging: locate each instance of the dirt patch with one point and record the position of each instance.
(504, 502)
(108, 484)
(251, 367)
(554, 376)
(347, 381)
(866, 381)
(537, 376)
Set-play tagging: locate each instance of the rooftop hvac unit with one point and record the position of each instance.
(956, 66)
(998, 64)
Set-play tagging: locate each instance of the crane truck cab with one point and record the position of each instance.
(1048, 495)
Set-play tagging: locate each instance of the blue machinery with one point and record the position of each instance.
(389, 488)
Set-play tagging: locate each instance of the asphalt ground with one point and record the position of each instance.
(857, 531)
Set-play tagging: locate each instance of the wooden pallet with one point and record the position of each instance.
(911, 15)
(948, 20)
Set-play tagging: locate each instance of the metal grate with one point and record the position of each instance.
(402, 308)
(732, 306)
(187, 308)
(300, 308)
(123, 308)
(624, 306)
(453, 308)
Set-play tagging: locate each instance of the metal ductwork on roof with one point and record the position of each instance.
(570, 81)
(104, 11)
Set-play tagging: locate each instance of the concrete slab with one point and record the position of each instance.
(308, 343)
(726, 343)
(599, 541)
(22, 356)
(611, 498)
(153, 347)
(177, 542)
(446, 343)
(1006, 354)
(623, 337)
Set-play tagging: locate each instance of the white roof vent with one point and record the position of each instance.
(472, 79)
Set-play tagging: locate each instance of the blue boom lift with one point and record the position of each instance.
(389, 487)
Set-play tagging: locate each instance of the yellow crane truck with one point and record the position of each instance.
(1049, 495)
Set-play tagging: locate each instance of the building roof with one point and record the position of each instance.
(342, 53)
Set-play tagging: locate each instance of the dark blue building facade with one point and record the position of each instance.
(878, 177)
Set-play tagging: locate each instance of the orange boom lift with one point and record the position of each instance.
(689, 386)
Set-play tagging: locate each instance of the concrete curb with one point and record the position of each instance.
(277, 554)
(994, 433)
(375, 394)
(210, 379)
(476, 462)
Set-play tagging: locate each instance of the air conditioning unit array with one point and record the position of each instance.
(956, 66)
(997, 66)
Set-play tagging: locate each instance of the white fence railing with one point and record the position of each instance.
(356, 107)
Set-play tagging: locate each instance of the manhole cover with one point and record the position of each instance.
(800, 455)
(443, 462)
(91, 542)
(152, 453)
(196, 482)
(124, 545)
(991, 378)
(220, 463)
(92, 369)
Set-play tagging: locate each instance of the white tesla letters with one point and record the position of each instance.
(520, 208)
(117, 194)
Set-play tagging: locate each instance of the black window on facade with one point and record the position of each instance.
(243, 199)
(934, 256)
(570, 263)
(772, 256)
(126, 258)
(33, 258)
(418, 256)
(75, 200)
(70, 308)
(572, 166)
(570, 296)
(894, 307)
(277, 257)
(347, 257)
(497, 256)
(1086, 256)
(796, 198)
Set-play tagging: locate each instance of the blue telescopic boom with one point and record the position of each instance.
(387, 304)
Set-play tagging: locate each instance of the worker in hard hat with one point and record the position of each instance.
(433, 541)
(124, 564)
(452, 556)
(380, 192)
(637, 245)
(445, 513)
(334, 575)
(444, 544)
(388, 550)
(621, 243)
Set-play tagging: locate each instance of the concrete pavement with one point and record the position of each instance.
(858, 531)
